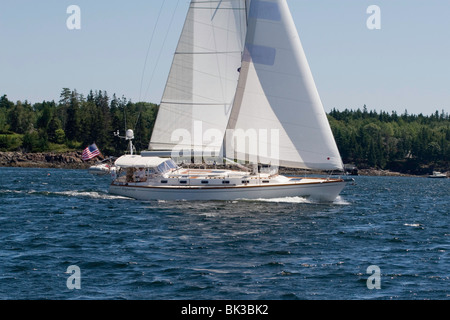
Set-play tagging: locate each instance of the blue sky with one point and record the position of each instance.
(404, 65)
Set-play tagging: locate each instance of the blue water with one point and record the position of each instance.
(282, 249)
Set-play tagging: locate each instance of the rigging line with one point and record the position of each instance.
(149, 47)
(215, 47)
(125, 116)
(218, 7)
(139, 115)
(162, 47)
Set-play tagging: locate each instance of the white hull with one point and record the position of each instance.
(437, 175)
(322, 190)
(101, 169)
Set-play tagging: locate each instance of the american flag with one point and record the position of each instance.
(90, 152)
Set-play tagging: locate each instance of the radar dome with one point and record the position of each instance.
(130, 134)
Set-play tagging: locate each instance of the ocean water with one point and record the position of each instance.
(281, 249)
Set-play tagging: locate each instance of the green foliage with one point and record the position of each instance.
(21, 117)
(60, 136)
(74, 122)
(34, 141)
(406, 143)
(10, 141)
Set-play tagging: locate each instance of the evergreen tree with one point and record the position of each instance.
(21, 117)
(73, 127)
(55, 132)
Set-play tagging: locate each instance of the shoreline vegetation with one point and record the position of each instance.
(53, 134)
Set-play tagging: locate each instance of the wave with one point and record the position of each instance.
(412, 224)
(287, 200)
(341, 201)
(10, 191)
(338, 201)
(89, 194)
(70, 193)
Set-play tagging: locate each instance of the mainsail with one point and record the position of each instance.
(203, 78)
(240, 67)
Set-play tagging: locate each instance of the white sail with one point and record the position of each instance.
(271, 105)
(203, 78)
(277, 92)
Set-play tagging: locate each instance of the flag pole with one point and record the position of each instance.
(101, 154)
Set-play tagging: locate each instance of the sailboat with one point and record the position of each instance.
(239, 90)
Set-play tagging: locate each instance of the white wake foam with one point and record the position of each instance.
(339, 200)
(91, 194)
(70, 193)
(412, 224)
(287, 200)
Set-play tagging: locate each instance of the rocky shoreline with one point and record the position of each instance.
(67, 160)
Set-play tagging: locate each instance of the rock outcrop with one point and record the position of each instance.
(68, 160)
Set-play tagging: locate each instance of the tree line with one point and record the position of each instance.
(367, 139)
(405, 143)
(74, 122)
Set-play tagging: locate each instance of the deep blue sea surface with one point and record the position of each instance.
(266, 250)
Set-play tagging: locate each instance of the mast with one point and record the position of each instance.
(231, 124)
